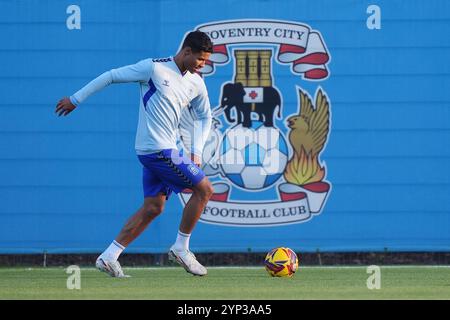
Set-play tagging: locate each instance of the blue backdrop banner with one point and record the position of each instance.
(331, 124)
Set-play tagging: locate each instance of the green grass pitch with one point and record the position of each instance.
(397, 282)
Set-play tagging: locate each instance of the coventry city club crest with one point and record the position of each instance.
(263, 154)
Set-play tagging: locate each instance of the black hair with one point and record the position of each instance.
(198, 41)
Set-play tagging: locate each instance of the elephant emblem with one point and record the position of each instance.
(235, 95)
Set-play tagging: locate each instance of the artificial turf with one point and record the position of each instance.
(235, 283)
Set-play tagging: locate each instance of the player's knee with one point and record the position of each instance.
(153, 209)
(209, 190)
(205, 191)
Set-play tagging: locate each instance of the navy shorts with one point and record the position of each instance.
(167, 171)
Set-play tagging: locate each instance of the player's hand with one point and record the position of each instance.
(64, 107)
(197, 160)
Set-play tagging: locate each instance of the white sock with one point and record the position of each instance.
(113, 252)
(182, 242)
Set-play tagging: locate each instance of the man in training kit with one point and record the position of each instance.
(169, 88)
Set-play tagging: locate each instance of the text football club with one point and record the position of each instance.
(262, 155)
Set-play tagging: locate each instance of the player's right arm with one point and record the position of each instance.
(138, 72)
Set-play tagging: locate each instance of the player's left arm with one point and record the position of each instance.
(201, 124)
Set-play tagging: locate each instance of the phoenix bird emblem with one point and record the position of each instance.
(308, 135)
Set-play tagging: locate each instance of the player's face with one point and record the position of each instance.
(196, 60)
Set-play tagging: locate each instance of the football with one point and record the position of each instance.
(281, 262)
(253, 158)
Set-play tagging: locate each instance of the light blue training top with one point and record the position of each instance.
(166, 96)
